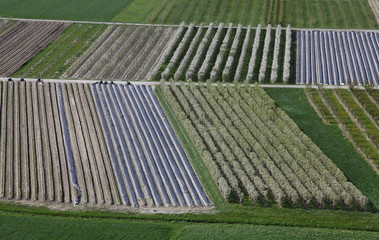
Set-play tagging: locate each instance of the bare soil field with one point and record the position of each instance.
(23, 41)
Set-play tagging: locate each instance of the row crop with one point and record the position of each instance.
(332, 103)
(230, 54)
(253, 149)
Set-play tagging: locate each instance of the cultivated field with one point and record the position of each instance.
(23, 41)
(123, 52)
(298, 13)
(230, 53)
(54, 60)
(64, 143)
(253, 149)
(33, 162)
(85, 146)
(356, 113)
(337, 58)
(149, 163)
(93, 10)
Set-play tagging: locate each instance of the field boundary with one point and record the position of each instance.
(91, 81)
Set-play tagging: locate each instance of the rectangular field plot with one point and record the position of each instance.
(22, 41)
(149, 164)
(33, 163)
(229, 53)
(254, 150)
(100, 145)
(55, 59)
(355, 14)
(90, 10)
(123, 52)
(357, 115)
(337, 58)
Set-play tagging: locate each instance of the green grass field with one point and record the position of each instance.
(329, 139)
(91, 10)
(41, 227)
(298, 13)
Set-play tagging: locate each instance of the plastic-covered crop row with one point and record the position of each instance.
(151, 167)
(337, 58)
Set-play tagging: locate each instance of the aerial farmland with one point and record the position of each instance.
(253, 119)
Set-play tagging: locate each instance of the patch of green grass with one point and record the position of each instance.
(298, 13)
(18, 226)
(329, 139)
(243, 232)
(90, 10)
(54, 60)
(41, 227)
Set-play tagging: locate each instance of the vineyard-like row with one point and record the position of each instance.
(123, 52)
(24, 40)
(356, 113)
(149, 163)
(54, 60)
(225, 53)
(337, 58)
(253, 149)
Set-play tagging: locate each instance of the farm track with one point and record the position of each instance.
(24, 40)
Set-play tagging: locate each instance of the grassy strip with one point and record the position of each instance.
(94, 10)
(292, 78)
(37, 227)
(330, 140)
(233, 214)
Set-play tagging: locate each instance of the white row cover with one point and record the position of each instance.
(337, 58)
